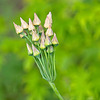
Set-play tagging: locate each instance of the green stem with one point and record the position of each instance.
(56, 91)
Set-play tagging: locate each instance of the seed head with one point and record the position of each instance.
(49, 31)
(47, 41)
(35, 36)
(36, 20)
(35, 51)
(23, 24)
(31, 26)
(54, 40)
(29, 49)
(18, 28)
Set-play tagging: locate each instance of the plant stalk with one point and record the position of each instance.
(56, 91)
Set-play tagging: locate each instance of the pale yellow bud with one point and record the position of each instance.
(29, 49)
(31, 26)
(47, 22)
(49, 32)
(23, 24)
(54, 40)
(18, 28)
(36, 20)
(35, 51)
(50, 17)
(47, 41)
(42, 44)
(35, 36)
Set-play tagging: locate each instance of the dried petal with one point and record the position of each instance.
(23, 24)
(36, 20)
(18, 28)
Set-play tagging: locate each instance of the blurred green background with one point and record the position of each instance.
(77, 25)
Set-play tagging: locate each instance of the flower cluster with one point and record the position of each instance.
(40, 44)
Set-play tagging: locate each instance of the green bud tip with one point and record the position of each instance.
(23, 24)
(47, 41)
(18, 28)
(49, 31)
(36, 20)
(54, 40)
(29, 49)
(50, 49)
(31, 26)
(35, 51)
(35, 37)
(22, 35)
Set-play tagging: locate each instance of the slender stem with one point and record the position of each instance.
(56, 91)
(43, 68)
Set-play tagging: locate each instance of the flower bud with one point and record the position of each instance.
(22, 35)
(36, 20)
(47, 22)
(35, 37)
(42, 44)
(49, 32)
(54, 40)
(40, 28)
(31, 26)
(47, 41)
(50, 17)
(43, 35)
(23, 24)
(18, 28)
(50, 49)
(29, 49)
(35, 51)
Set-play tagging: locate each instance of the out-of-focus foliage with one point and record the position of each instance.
(77, 25)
